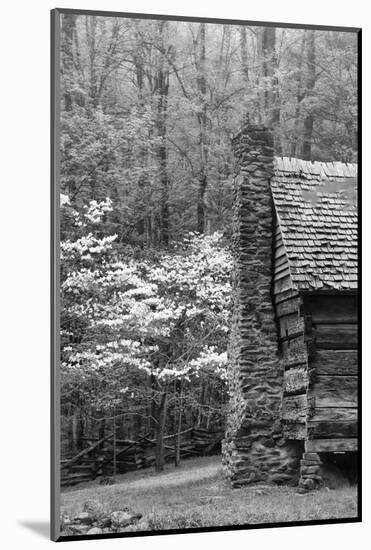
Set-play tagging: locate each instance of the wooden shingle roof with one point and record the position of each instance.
(316, 210)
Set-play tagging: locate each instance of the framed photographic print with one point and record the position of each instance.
(205, 348)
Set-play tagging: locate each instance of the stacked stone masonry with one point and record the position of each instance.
(254, 448)
(310, 471)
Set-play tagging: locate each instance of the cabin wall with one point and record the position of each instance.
(318, 347)
(293, 348)
(331, 332)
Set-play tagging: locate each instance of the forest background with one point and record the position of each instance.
(147, 113)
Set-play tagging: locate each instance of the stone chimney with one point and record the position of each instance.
(254, 449)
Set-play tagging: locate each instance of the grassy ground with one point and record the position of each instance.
(196, 495)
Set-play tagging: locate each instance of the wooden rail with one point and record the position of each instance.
(89, 463)
(84, 452)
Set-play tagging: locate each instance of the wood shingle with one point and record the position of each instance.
(316, 209)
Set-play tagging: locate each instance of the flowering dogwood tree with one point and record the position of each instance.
(133, 327)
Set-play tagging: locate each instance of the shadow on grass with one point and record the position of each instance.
(42, 528)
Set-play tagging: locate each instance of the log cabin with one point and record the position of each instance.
(293, 365)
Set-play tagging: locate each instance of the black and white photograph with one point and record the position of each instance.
(205, 227)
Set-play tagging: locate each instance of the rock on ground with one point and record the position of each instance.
(95, 531)
(121, 519)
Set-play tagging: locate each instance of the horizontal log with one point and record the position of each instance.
(333, 414)
(294, 355)
(122, 452)
(126, 463)
(188, 430)
(337, 308)
(279, 250)
(281, 272)
(284, 295)
(295, 342)
(291, 324)
(280, 262)
(122, 441)
(331, 430)
(278, 236)
(335, 391)
(330, 445)
(87, 451)
(334, 336)
(294, 408)
(74, 480)
(283, 284)
(294, 430)
(295, 380)
(336, 362)
(290, 306)
(203, 431)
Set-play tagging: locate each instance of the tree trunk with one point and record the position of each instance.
(162, 90)
(102, 430)
(311, 82)
(68, 33)
(81, 430)
(160, 460)
(299, 98)
(143, 225)
(179, 427)
(114, 447)
(74, 430)
(210, 404)
(202, 120)
(268, 38)
(243, 45)
(152, 405)
(201, 404)
(271, 95)
(90, 29)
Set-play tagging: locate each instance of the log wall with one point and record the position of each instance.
(318, 345)
(293, 347)
(332, 423)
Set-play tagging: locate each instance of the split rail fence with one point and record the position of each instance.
(109, 456)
